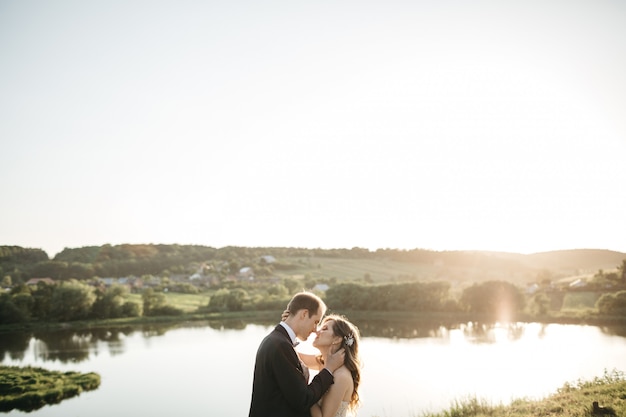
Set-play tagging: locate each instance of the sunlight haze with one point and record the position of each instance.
(484, 125)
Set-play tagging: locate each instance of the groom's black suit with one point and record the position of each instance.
(279, 388)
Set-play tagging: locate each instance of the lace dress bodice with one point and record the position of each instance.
(343, 410)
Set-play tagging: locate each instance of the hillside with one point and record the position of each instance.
(461, 266)
(586, 260)
(382, 265)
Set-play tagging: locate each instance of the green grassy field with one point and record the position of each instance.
(571, 400)
(358, 269)
(385, 270)
(580, 300)
(189, 303)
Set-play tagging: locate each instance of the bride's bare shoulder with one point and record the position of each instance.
(342, 374)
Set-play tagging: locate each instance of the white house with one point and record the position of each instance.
(246, 273)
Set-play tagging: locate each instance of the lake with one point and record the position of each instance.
(205, 369)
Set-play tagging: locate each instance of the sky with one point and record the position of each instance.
(448, 125)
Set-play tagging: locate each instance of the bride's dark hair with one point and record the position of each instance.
(350, 339)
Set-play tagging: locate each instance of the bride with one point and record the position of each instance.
(342, 398)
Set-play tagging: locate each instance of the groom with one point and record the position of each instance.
(280, 387)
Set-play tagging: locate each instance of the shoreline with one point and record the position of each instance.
(271, 317)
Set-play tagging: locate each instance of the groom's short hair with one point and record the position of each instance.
(306, 301)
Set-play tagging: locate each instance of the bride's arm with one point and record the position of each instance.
(310, 361)
(316, 411)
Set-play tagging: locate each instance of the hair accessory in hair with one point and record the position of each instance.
(349, 339)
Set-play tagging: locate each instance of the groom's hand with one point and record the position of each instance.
(335, 360)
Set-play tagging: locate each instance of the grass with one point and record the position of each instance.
(188, 303)
(571, 400)
(386, 270)
(29, 388)
(580, 300)
(356, 269)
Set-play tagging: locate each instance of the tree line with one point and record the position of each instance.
(75, 300)
(496, 300)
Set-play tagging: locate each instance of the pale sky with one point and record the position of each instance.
(444, 125)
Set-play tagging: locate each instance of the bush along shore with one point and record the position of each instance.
(601, 396)
(30, 388)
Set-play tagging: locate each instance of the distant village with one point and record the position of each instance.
(203, 277)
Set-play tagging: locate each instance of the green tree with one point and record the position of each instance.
(6, 281)
(540, 304)
(349, 296)
(17, 254)
(111, 302)
(131, 309)
(9, 312)
(80, 270)
(72, 300)
(309, 281)
(152, 301)
(622, 271)
(236, 299)
(278, 290)
(218, 301)
(228, 300)
(185, 288)
(20, 289)
(499, 299)
(612, 304)
(42, 295)
(292, 285)
(51, 269)
(24, 302)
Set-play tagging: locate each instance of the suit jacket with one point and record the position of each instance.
(279, 388)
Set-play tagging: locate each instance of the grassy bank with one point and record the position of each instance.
(260, 317)
(29, 388)
(271, 316)
(572, 400)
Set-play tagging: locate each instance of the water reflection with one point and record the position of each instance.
(488, 333)
(76, 345)
(14, 344)
(73, 346)
(614, 330)
(401, 329)
(228, 324)
(474, 332)
(65, 345)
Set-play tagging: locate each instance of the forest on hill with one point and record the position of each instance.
(21, 264)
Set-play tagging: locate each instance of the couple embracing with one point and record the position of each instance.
(281, 385)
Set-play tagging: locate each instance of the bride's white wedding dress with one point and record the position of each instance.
(343, 410)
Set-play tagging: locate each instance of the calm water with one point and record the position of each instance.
(206, 370)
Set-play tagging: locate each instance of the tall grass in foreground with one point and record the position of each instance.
(571, 400)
